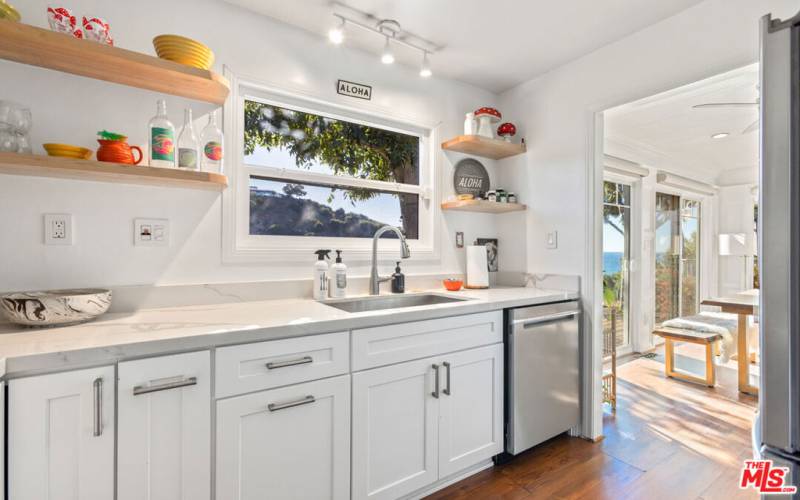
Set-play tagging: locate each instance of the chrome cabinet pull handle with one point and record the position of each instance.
(447, 378)
(147, 389)
(289, 362)
(291, 404)
(97, 387)
(435, 392)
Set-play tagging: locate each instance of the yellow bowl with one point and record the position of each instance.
(173, 53)
(172, 41)
(182, 40)
(7, 11)
(67, 151)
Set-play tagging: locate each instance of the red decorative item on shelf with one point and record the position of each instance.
(118, 152)
(486, 111)
(61, 20)
(507, 131)
(487, 117)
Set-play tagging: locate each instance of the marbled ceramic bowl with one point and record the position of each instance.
(55, 307)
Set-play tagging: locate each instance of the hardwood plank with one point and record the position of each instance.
(27, 44)
(667, 439)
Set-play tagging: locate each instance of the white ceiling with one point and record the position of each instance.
(496, 44)
(665, 132)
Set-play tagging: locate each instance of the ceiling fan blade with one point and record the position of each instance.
(752, 128)
(736, 105)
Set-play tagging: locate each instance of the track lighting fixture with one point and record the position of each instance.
(392, 34)
(336, 34)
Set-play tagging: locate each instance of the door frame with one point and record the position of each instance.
(634, 258)
(592, 346)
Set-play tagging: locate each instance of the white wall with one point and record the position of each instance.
(72, 109)
(555, 113)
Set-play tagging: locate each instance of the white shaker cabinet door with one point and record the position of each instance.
(470, 408)
(395, 429)
(284, 444)
(61, 436)
(164, 428)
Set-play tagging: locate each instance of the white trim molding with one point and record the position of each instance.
(240, 247)
(625, 168)
(676, 181)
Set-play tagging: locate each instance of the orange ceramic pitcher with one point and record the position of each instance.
(118, 152)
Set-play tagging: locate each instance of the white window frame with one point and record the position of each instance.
(239, 246)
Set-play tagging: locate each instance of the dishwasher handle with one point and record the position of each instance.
(529, 322)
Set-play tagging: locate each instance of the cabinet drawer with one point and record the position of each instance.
(385, 345)
(253, 367)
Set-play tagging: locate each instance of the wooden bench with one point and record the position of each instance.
(672, 335)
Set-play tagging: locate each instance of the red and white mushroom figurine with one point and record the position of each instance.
(487, 117)
(507, 131)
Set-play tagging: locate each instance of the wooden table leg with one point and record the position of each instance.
(743, 358)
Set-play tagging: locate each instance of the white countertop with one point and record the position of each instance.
(113, 337)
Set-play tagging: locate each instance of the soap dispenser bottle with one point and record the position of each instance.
(339, 277)
(321, 275)
(398, 280)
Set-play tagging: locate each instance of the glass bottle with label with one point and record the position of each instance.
(161, 134)
(188, 145)
(212, 146)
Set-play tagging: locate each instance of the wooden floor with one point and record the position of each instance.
(668, 440)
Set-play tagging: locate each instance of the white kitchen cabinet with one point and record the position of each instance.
(286, 443)
(61, 436)
(395, 426)
(164, 428)
(410, 431)
(470, 408)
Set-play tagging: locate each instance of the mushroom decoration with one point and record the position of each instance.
(487, 117)
(507, 131)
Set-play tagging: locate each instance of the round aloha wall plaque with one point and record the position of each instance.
(470, 177)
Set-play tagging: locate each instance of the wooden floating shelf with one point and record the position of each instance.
(495, 149)
(88, 170)
(27, 44)
(487, 207)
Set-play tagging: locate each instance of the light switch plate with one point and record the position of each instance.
(58, 229)
(459, 239)
(151, 232)
(551, 240)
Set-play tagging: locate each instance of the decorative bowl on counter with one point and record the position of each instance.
(55, 307)
(453, 285)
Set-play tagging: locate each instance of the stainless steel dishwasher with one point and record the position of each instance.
(542, 373)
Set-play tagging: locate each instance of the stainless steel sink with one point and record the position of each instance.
(363, 304)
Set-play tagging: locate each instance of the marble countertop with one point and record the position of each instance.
(117, 336)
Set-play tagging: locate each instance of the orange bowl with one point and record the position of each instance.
(453, 285)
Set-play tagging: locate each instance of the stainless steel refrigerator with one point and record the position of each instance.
(776, 433)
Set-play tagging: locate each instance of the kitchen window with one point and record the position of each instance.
(310, 174)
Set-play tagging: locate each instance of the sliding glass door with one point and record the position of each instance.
(676, 256)
(616, 255)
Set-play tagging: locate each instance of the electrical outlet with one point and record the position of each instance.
(151, 232)
(551, 240)
(58, 229)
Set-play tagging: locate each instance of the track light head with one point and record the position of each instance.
(336, 34)
(425, 69)
(387, 57)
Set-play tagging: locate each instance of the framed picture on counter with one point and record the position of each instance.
(491, 252)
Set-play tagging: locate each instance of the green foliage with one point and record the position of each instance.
(347, 148)
(286, 214)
